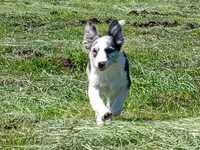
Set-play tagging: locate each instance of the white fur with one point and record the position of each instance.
(122, 22)
(112, 82)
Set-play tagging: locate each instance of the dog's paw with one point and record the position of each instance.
(100, 123)
(107, 116)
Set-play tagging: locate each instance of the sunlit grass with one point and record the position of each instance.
(43, 84)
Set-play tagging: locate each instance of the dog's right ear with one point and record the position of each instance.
(90, 35)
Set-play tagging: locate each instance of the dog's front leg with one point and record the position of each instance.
(102, 112)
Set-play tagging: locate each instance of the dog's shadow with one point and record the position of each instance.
(130, 118)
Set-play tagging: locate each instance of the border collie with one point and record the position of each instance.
(107, 70)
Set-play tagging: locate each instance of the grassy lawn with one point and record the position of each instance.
(43, 84)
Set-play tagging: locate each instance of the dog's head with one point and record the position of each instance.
(103, 51)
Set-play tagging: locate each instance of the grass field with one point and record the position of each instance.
(43, 99)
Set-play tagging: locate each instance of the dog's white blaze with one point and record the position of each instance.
(101, 57)
(101, 44)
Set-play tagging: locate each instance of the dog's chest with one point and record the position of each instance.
(111, 81)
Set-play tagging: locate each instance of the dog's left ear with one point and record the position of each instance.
(115, 30)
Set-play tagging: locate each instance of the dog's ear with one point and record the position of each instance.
(90, 35)
(115, 30)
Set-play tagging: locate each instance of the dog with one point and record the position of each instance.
(107, 70)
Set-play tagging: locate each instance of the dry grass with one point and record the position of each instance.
(43, 100)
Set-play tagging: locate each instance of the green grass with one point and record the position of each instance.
(43, 84)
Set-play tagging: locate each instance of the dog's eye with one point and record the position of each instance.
(109, 50)
(94, 52)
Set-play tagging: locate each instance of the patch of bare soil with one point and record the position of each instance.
(65, 63)
(28, 53)
(10, 81)
(155, 23)
(84, 21)
(192, 25)
(146, 12)
(135, 24)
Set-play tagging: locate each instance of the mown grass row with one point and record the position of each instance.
(43, 85)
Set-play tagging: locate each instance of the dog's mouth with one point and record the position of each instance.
(102, 69)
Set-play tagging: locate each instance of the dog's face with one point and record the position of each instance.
(103, 51)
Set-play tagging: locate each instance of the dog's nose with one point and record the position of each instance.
(101, 65)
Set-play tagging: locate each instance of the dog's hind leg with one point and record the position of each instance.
(116, 103)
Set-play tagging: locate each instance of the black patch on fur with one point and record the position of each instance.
(126, 68)
(112, 25)
(109, 51)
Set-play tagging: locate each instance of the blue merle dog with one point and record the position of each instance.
(107, 70)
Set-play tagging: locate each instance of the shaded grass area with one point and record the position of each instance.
(43, 85)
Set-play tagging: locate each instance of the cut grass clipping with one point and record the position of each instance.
(43, 84)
